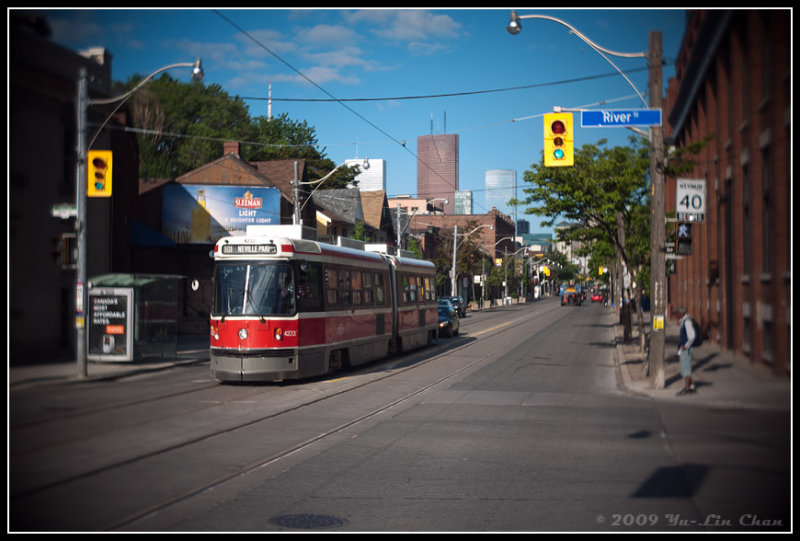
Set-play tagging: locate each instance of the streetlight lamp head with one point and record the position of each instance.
(514, 25)
(365, 165)
(197, 71)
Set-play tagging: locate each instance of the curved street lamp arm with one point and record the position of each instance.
(514, 27)
(197, 73)
(466, 235)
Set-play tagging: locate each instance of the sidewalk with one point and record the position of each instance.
(723, 378)
(190, 349)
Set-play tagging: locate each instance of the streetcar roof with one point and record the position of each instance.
(286, 241)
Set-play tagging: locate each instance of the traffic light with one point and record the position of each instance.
(558, 140)
(684, 239)
(99, 181)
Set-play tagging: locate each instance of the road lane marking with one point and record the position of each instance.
(494, 328)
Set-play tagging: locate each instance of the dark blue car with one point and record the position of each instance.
(448, 321)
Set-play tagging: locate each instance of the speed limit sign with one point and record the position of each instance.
(690, 205)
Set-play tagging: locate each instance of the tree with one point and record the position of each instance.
(604, 196)
(183, 126)
(468, 255)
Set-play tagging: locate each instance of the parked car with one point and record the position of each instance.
(445, 301)
(459, 304)
(448, 321)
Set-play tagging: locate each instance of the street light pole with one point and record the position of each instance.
(81, 199)
(455, 249)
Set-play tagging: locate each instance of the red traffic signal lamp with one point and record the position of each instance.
(99, 167)
(558, 140)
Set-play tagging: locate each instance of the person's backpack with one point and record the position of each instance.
(698, 333)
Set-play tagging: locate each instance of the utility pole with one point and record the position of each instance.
(455, 246)
(81, 310)
(658, 279)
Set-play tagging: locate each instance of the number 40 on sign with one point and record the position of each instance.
(690, 204)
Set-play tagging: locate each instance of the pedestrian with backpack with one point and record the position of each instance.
(688, 334)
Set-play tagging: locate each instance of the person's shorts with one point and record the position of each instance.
(685, 360)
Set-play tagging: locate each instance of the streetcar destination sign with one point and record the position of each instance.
(603, 118)
(268, 249)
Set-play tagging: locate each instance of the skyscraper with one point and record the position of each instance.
(437, 168)
(501, 187)
(463, 202)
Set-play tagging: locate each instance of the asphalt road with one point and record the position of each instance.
(516, 425)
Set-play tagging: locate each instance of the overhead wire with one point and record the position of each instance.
(342, 101)
(446, 95)
(331, 96)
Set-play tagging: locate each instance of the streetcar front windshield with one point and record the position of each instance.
(259, 289)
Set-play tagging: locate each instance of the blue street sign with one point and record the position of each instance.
(620, 118)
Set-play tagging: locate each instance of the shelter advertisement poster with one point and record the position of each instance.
(110, 324)
(202, 214)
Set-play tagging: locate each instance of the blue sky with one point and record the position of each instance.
(490, 87)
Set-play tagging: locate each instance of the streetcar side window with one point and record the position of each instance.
(356, 285)
(344, 287)
(368, 296)
(412, 289)
(428, 289)
(331, 286)
(308, 277)
(379, 281)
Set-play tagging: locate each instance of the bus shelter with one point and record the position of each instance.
(132, 317)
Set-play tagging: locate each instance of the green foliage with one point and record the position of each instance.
(603, 197)
(184, 126)
(360, 232)
(413, 246)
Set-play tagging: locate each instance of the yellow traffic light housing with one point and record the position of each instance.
(558, 140)
(99, 168)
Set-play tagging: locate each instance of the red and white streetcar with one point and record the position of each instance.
(285, 307)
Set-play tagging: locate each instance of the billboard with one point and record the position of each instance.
(202, 214)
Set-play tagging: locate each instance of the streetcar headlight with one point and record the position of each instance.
(278, 333)
(243, 333)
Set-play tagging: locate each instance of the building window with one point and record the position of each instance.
(747, 226)
(766, 211)
(768, 341)
(747, 335)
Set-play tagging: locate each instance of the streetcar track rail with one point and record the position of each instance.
(376, 372)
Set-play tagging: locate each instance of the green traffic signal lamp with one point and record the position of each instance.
(99, 181)
(558, 140)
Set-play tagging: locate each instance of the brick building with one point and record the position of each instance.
(42, 165)
(733, 85)
(437, 168)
